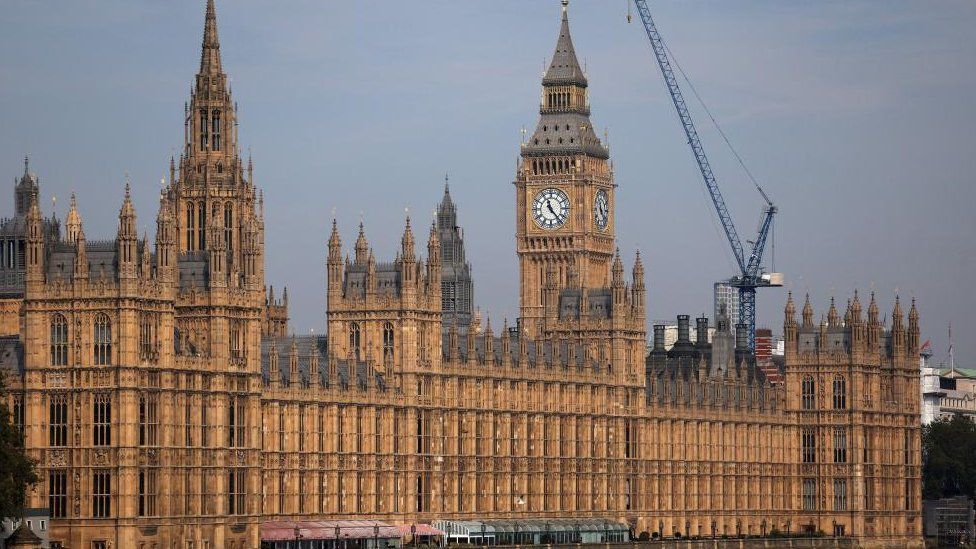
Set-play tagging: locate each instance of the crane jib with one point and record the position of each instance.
(750, 278)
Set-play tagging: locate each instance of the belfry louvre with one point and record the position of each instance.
(167, 406)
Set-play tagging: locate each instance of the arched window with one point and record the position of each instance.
(203, 129)
(388, 343)
(354, 340)
(190, 217)
(59, 341)
(215, 129)
(840, 393)
(201, 226)
(808, 393)
(809, 443)
(229, 226)
(103, 340)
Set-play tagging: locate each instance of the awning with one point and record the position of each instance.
(421, 530)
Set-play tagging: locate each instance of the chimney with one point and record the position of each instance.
(659, 338)
(701, 326)
(683, 329)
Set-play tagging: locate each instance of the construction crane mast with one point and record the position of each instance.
(750, 276)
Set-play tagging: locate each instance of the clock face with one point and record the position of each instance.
(601, 209)
(550, 209)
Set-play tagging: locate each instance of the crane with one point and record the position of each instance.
(750, 275)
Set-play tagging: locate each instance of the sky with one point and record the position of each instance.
(857, 117)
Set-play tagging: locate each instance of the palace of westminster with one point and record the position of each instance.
(166, 404)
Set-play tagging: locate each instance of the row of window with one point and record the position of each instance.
(196, 224)
(210, 132)
(808, 440)
(808, 393)
(356, 342)
(102, 339)
(101, 490)
(810, 494)
(102, 420)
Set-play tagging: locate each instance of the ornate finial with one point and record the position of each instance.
(565, 5)
(26, 164)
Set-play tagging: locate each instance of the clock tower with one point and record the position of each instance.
(564, 190)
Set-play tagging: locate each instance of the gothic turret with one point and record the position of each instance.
(35, 242)
(639, 291)
(913, 329)
(807, 314)
(434, 266)
(408, 260)
(362, 246)
(27, 190)
(165, 241)
(832, 318)
(457, 283)
(874, 325)
(334, 263)
(897, 329)
(789, 320)
(72, 222)
(127, 237)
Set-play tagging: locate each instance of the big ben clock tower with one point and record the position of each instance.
(564, 190)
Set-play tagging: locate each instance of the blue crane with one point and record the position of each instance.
(751, 275)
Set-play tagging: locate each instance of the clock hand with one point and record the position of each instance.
(549, 205)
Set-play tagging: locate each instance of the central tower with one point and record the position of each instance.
(563, 190)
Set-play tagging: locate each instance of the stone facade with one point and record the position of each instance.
(165, 403)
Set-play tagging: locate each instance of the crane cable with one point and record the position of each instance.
(715, 123)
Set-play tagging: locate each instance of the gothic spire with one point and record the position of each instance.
(564, 125)
(807, 313)
(210, 51)
(362, 247)
(406, 243)
(618, 268)
(873, 311)
(896, 315)
(335, 244)
(638, 273)
(72, 221)
(832, 314)
(565, 66)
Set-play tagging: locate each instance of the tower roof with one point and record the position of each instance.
(564, 67)
(564, 127)
(210, 51)
(446, 210)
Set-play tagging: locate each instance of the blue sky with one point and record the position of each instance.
(858, 117)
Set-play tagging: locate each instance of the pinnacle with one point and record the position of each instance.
(210, 50)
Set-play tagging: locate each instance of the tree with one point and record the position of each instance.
(17, 472)
(949, 458)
